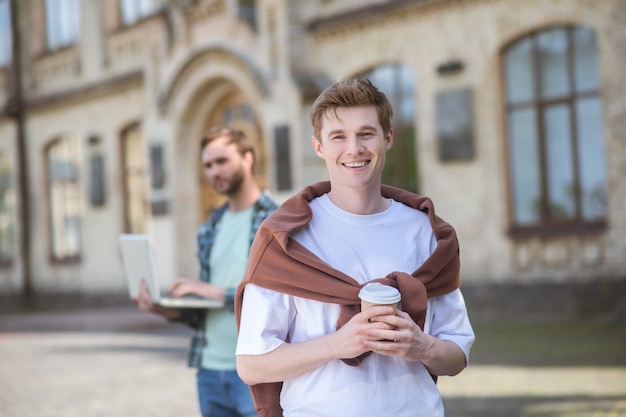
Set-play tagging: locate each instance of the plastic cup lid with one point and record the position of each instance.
(378, 293)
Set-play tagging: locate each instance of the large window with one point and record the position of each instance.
(247, 12)
(62, 22)
(398, 84)
(7, 211)
(555, 134)
(134, 160)
(64, 199)
(133, 10)
(5, 33)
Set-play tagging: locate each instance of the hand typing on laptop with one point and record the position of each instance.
(181, 289)
(145, 303)
(184, 286)
(142, 271)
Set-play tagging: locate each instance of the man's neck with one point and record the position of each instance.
(359, 201)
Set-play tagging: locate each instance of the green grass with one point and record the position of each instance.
(550, 343)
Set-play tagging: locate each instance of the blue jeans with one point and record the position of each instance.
(223, 394)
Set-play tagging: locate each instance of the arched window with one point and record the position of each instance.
(555, 143)
(398, 84)
(134, 167)
(64, 199)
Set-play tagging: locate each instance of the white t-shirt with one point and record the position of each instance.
(364, 247)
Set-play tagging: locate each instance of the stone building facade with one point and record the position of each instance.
(510, 115)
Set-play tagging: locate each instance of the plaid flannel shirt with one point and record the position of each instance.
(195, 318)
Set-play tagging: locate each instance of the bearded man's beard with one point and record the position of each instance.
(233, 184)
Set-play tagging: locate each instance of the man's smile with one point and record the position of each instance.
(356, 164)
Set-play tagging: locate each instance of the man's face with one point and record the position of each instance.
(224, 166)
(353, 145)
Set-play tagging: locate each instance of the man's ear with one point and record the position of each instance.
(389, 140)
(249, 158)
(317, 146)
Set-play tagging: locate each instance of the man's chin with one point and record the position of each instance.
(221, 188)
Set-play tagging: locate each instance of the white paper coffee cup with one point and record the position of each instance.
(376, 294)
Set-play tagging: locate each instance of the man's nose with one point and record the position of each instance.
(355, 145)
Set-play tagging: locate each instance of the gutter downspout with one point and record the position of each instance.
(16, 110)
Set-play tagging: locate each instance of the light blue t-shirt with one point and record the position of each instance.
(228, 260)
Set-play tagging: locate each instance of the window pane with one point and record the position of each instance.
(62, 22)
(5, 33)
(383, 78)
(247, 12)
(585, 60)
(247, 113)
(552, 46)
(591, 158)
(406, 108)
(133, 10)
(135, 181)
(561, 185)
(74, 19)
(52, 24)
(146, 7)
(7, 207)
(519, 75)
(129, 14)
(65, 198)
(65, 23)
(523, 156)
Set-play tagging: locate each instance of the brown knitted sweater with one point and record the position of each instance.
(277, 262)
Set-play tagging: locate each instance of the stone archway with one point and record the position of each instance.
(207, 90)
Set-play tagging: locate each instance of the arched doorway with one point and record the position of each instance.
(214, 87)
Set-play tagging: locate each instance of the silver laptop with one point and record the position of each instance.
(138, 259)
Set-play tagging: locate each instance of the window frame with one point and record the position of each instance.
(141, 9)
(135, 208)
(7, 212)
(77, 187)
(6, 35)
(547, 224)
(68, 29)
(247, 12)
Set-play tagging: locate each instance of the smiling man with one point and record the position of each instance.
(304, 346)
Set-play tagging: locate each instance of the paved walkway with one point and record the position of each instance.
(102, 363)
(119, 362)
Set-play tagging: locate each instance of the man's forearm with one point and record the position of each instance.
(288, 361)
(445, 358)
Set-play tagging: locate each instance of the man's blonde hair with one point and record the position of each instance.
(351, 93)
